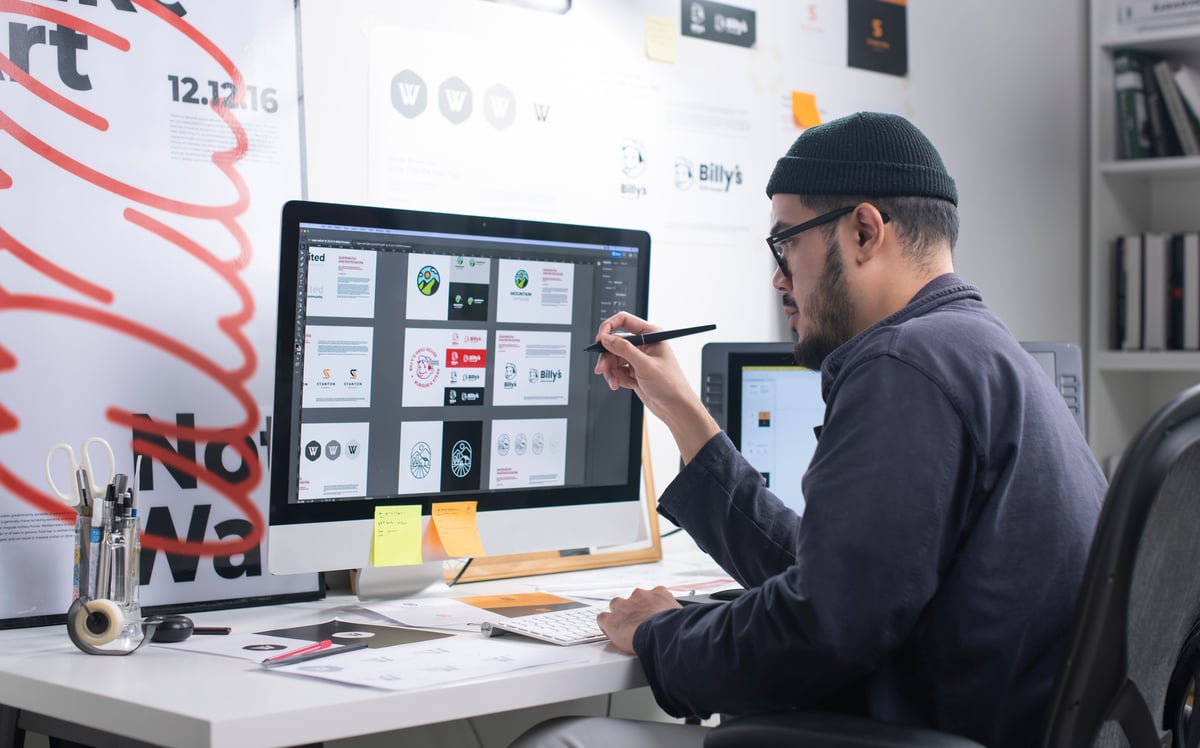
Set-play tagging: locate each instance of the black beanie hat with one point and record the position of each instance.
(868, 153)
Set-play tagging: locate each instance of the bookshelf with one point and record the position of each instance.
(1160, 194)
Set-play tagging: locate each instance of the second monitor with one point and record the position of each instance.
(768, 405)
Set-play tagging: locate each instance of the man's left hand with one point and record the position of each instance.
(626, 613)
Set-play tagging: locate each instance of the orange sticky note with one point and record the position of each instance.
(661, 39)
(397, 536)
(454, 522)
(804, 109)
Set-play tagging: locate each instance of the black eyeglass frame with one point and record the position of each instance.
(820, 220)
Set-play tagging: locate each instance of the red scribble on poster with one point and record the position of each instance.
(92, 301)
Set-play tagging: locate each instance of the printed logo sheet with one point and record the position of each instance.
(337, 367)
(333, 460)
(453, 288)
(440, 367)
(341, 283)
(536, 292)
(528, 452)
(532, 367)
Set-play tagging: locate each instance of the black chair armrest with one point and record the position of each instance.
(801, 729)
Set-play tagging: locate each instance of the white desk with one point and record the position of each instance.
(179, 698)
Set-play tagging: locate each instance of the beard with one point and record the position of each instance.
(830, 314)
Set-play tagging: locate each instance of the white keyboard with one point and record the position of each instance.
(570, 626)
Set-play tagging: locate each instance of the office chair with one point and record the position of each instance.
(1134, 658)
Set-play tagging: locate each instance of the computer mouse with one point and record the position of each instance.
(170, 628)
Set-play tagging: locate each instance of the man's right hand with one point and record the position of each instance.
(654, 375)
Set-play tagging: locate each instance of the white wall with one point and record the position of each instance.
(1000, 88)
(997, 87)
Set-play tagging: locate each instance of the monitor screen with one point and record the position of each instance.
(769, 406)
(431, 357)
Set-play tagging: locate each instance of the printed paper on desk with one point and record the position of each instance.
(397, 536)
(443, 613)
(348, 632)
(521, 603)
(424, 665)
(253, 647)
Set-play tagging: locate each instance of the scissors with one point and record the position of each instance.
(93, 488)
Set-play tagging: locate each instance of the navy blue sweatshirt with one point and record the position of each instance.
(950, 506)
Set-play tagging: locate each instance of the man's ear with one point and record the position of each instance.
(868, 226)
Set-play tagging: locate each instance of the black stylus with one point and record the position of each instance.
(654, 337)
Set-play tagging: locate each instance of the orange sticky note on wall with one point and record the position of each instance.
(396, 540)
(454, 523)
(804, 109)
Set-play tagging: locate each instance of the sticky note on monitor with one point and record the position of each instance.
(396, 539)
(453, 527)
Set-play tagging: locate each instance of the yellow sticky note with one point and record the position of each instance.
(804, 109)
(455, 523)
(661, 39)
(397, 537)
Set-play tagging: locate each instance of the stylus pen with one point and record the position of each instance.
(653, 337)
(294, 659)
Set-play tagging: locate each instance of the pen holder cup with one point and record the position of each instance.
(106, 616)
(103, 627)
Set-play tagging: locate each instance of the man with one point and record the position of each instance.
(950, 502)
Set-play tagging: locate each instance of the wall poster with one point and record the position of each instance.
(145, 151)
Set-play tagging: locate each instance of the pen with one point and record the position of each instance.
(315, 646)
(654, 337)
(212, 630)
(276, 662)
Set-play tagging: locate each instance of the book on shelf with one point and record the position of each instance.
(1133, 123)
(1156, 292)
(1143, 15)
(1182, 120)
(1176, 274)
(1155, 280)
(1187, 80)
(1127, 290)
(1190, 249)
(1163, 140)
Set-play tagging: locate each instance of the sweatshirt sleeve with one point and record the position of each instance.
(885, 497)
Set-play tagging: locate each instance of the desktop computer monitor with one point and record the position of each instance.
(433, 357)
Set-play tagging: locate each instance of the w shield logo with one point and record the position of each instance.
(521, 279)
(409, 94)
(501, 108)
(455, 100)
(312, 451)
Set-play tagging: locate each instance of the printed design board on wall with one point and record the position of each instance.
(146, 149)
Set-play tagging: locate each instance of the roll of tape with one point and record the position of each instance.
(98, 623)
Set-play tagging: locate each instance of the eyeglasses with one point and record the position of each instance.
(779, 243)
